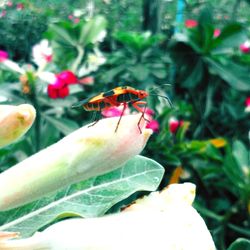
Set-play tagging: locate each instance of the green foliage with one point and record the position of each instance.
(136, 60)
(20, 30)
(86, 199)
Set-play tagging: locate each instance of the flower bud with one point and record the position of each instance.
(87, 152)
(15, 121)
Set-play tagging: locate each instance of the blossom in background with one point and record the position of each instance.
(174, 125)
(3, 55)
(88, 80)
(245, 47)
(9, 3)
(190, 23)
(247, 102)
(42, 53)
(3, 13)
(117, 111)
(20, 6)
(217, 33)
(4, 59)
(60, 86)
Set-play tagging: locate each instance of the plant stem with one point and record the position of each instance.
(78, 59)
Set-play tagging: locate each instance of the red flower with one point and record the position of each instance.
(154, 125)
(60, 88)
(3, 55)
(248, 102)
(174, 125)
(55, 92)
(245, 47)
(190, 23)
(216, 33)
(67, 77)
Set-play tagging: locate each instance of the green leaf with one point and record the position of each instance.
(140, 72)
(63, 34)
(64, 125)
(240, 244)
(240, 153)
(87, 199)
(235, 75)
(195, 76)
(92, 29)
(231, 36)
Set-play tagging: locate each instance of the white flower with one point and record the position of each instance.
(165, 220)
(13, 66)
(42, 53)
(78, 12)
(94, 61)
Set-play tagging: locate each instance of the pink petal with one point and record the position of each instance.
(3, 55)
(68, 77)
(190, 23)
(154, 125)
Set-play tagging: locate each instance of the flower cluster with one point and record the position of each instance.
(60, 87)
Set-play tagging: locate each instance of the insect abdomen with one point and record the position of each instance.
(127, 97)
(96, 106)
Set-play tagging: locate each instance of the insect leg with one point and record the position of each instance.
(95, 119)
(124, 107)
(135, 105)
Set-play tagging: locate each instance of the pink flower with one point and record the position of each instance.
(217, 32)
(154, 125)
(20, 6)
(3, 55)
(149, 112)
(245, 47)
(3, 13)
(115, 111)
(174, 125)
(9, 4)
(55, 92)
(190, 23)
(70, 17)
(76, 20)
(68, 77)
(89, 80)
(247, 102)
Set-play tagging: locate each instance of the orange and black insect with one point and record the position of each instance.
(114, 98)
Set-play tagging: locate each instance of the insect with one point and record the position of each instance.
(114, 98)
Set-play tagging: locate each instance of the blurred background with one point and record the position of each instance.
(196, 52)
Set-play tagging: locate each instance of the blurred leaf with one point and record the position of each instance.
(63, 34)
(231, 36)
(195, 75)
(64, 125)
(235, 75)
(140, 72)
(241, 154)
(87, 199)
(240, 244)
(91, 30)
